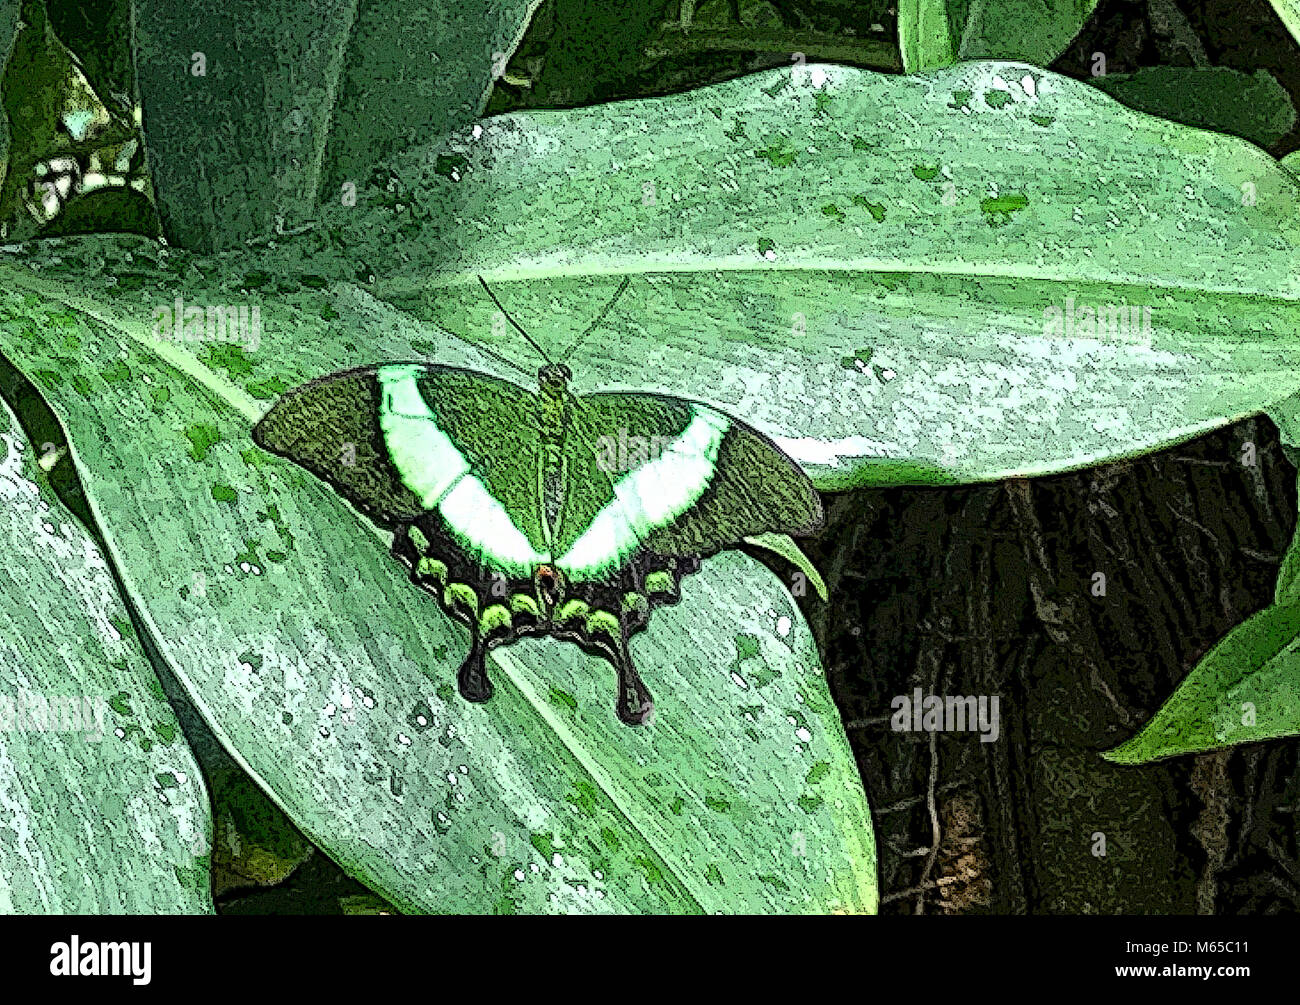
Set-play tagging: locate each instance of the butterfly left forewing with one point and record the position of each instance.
(330, 427)
(402, 441)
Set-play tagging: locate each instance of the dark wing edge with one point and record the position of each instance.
(329, 426)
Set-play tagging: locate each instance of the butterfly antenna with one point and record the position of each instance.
(599, 317)
(510, 364)
(514, 324)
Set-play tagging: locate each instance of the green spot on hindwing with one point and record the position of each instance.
(432, 569)
(659, 582)
(522, 603)
(602, 622)
(571, 610)
(461, 596)
(494, 619)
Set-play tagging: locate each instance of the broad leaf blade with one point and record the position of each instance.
(1253, 106)
(924, 36)
(9, 21)
(105, 811)
(253, 113)
(1246, 690)
(1010, 29)
(877, 298)
(936, 33)
(236, 108)
(413, 71)
(1289, 13)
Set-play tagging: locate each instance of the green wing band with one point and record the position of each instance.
(438, 473)
(652, 495)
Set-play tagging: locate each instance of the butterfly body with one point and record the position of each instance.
(529, 513)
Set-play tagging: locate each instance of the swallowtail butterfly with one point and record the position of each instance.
(537, 511)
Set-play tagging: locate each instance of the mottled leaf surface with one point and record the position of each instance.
(102, 806)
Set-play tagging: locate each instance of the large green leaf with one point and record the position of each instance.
(248, 109)
(1253, 106)
(935, 33)
(925, 38)
(331, 678)
(416, 70)
(1245, 690)
(8, 32)
(104, 808)
(860, 264)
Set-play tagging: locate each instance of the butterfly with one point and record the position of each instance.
(530, 512)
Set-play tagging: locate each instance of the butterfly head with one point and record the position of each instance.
(554, 378)
(549, 582)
